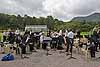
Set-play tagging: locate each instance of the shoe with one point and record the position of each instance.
(66, 51)
(68, 54)
(97, 51)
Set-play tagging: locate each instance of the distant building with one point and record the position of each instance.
(36, 28)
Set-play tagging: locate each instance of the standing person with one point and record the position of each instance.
(78, 35)
(65, 37)
(33, 39)
(11, 37)
(44, 41)
(18, 40)
(98, 37)
(49, 33)
(41, 38)
(37, 40)
(60, 40)
(54, 40)
(92, 50)
(94, 39)
(70, 41)
(23, 44)
(4, 36)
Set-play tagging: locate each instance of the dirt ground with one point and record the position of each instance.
(56, 59)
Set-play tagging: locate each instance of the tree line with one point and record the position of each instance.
(14, 22)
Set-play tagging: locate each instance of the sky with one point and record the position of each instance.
(60, 9)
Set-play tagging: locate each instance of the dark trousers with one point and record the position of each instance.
(99, 45)
(23, 49)
(59, 47)
(31, 47)
(44, 45)
(4, 38)
(92, 51)
(96, 46)
(54, 45)
(17, 49)
(70, 44)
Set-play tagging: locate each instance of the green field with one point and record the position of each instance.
(1, 37)
(85, 33)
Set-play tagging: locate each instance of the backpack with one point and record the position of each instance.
(8, 57)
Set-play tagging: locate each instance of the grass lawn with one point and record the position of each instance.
(85, 33)
(1, 36)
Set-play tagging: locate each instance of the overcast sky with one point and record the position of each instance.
(61, 9)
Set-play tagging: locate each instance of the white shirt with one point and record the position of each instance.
(17, 32)
(41, 38)
(4, 33)
(70, 34)
(66, 33)
(27, 39)
(60, 32)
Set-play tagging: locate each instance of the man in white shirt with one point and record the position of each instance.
(70, 41)
(70, 34)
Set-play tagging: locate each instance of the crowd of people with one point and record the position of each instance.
(56, 40)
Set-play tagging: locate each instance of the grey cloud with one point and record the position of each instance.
(62, 9)
(32, 7)
(85, 7)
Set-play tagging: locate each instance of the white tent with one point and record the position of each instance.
(36, 28)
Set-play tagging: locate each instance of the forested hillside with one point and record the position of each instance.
(14, 22)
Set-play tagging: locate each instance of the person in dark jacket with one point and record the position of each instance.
(22, 45)
(31, 42)
(92, 50)
(98, 38)
(60, 42)
(54, 41)
(18, 40)
(11, 37)
(4, 36)
(94, 39)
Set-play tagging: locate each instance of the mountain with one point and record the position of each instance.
(95, 17)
